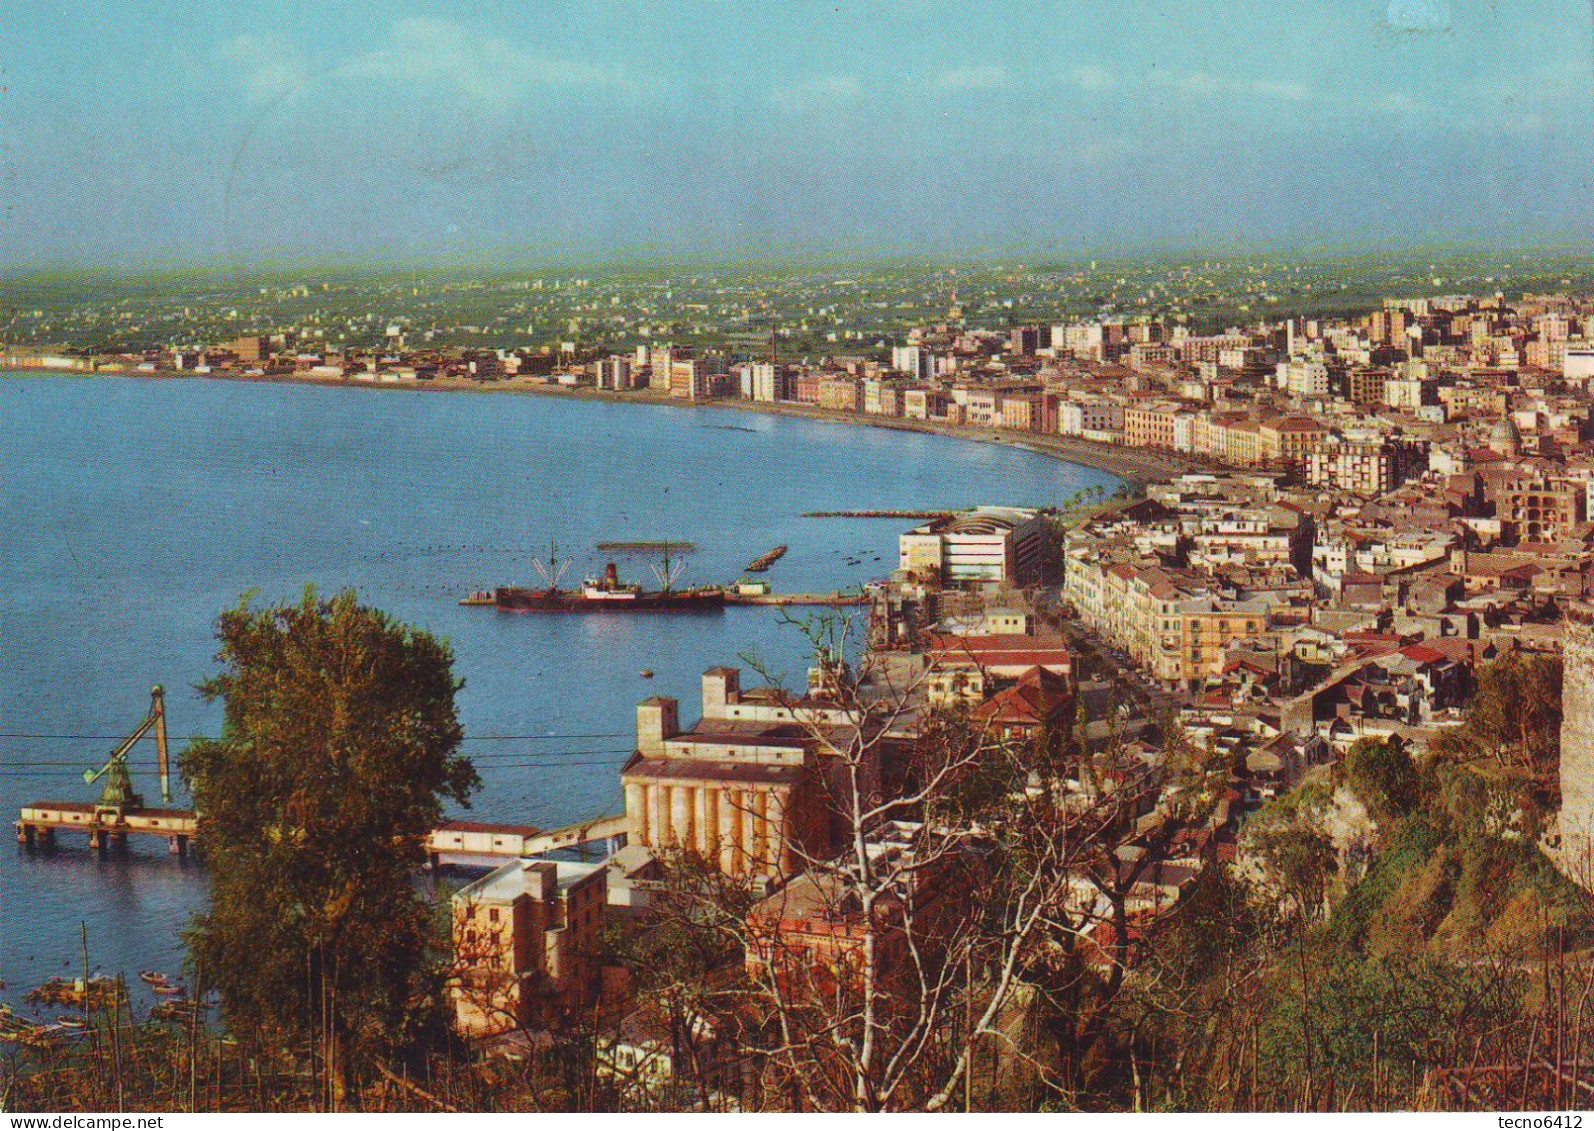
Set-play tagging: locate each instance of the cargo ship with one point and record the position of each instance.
(606, 594)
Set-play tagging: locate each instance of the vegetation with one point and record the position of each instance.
(1399, 939)
(339, 748)
(1388, 935)
(1514, 718)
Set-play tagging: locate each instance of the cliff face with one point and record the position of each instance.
(1575, 855)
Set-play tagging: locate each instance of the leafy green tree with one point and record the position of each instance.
(339, 748)
(1515, 716)
(1288, 840)
(1382, 774)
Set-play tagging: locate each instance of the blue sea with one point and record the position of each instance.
(132, 512)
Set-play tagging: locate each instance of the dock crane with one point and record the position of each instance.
(118, 795)
(120, 811)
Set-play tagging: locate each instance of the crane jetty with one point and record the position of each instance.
(120, 812)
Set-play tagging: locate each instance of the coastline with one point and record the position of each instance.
(1136, 467)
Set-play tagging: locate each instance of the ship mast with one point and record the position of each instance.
(553, 572)
(668, 574)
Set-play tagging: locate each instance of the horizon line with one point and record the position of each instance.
(711, 258)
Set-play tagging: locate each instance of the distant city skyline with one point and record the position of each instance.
(144, 134)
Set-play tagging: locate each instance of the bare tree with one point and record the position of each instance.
(972, 878)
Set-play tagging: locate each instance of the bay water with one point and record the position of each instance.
(133, 511)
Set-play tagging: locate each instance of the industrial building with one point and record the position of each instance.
(743, 789)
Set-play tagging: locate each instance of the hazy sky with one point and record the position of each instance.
(220, 132)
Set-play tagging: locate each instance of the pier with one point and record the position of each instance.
(106, 828)
(648, 547)
(120, 812)
(913, 515)
(453, 842)
(834, 600)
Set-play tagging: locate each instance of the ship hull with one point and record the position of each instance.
(540, 601)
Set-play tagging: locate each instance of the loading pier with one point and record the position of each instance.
(835, 600)
(106, 828)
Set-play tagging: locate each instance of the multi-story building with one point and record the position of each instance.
(812, 935)
(1151, 426)
(987, 546)
(1152, 356)
(614, 373)
(1267, 536)
(1024, 340)
(1577, 367)
(1092, 418)
(970, 669)
(880, 397)
(661, 366)
(1304, 378)
(916, 362)
(923, 404)
(769, 382)
(1366, 386)
(1196, 349)
(1237, 440)
(1177, 625)
(839, 393)
(1410, 393)
(1291, 441)
(982, 406)
(696, 379)
(525, 943)
(1531, 504)
(1367, 468)
(1249, 360)
(251, 348)
(1022, 412)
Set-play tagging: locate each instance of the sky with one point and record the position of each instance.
(179, 133)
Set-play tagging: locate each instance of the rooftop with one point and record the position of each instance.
(508, 882)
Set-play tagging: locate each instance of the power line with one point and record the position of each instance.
(10, 772)
(216, 738)
(507, 755)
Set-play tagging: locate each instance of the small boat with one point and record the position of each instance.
(97, 991)
(647, 673)
(167, 988)
(70, 1022)
(153, 978)
(182, 1010)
